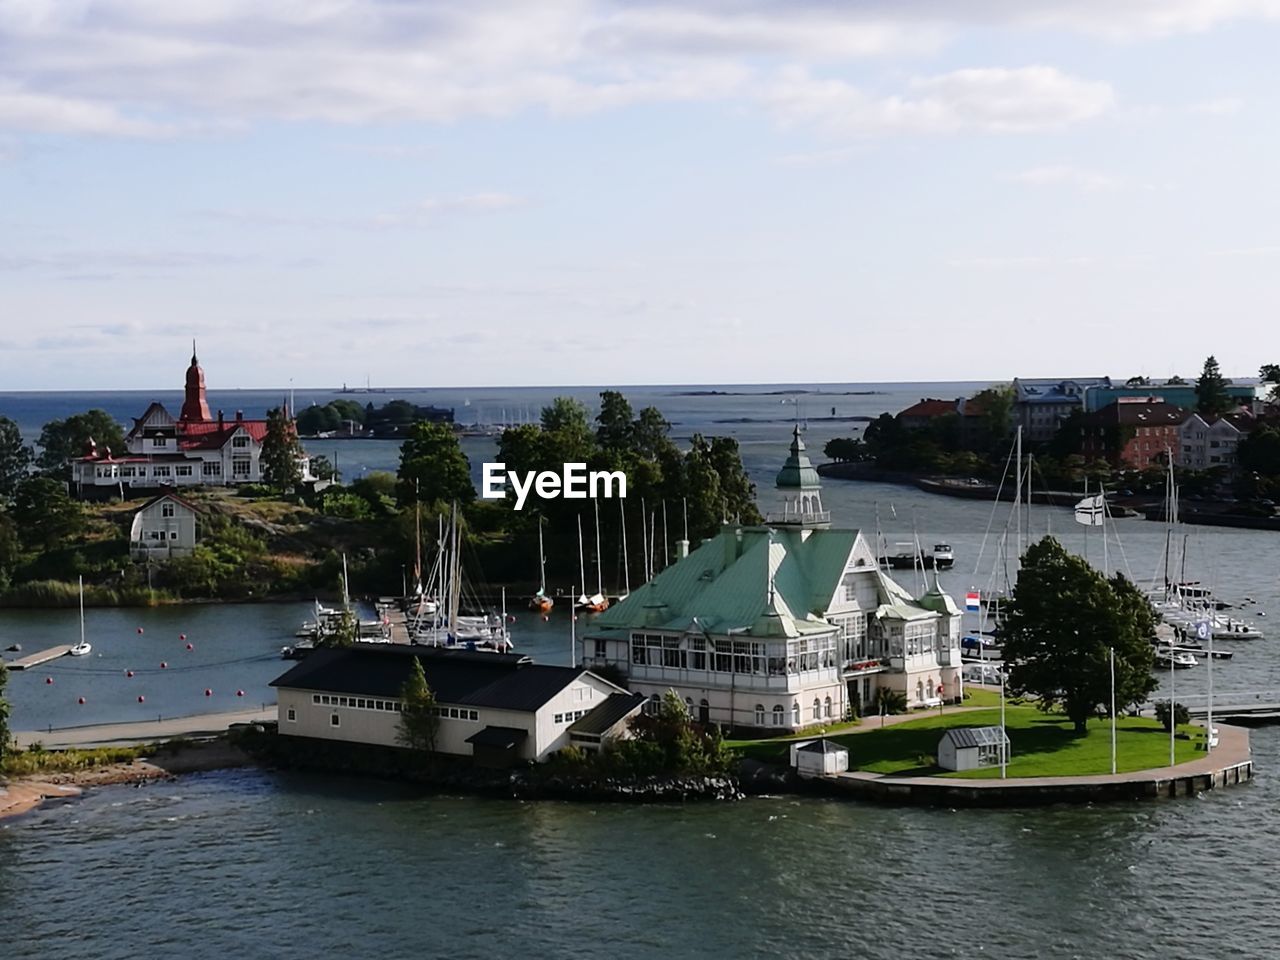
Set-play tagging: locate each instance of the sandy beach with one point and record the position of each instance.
(23, 794)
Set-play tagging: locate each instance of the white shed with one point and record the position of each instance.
(820, 758)
(970, 748)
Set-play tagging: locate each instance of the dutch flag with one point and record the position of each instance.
(971, 601)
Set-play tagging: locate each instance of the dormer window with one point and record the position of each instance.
(240, 441)
(159, 441)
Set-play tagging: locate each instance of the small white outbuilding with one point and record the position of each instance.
(819, 758)
(971, 748)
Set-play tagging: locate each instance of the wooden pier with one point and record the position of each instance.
(35, 659)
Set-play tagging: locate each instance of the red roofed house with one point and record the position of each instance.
(927, 412)
(192, 450)
(1134, 432)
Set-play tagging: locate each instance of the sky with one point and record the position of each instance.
(431, 193)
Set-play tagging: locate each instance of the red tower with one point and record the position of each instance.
(195, 407)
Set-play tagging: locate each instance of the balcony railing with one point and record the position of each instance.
(870, 665)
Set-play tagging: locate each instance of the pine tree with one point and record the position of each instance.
(281, 452)
(419, 723)
(1212, 398)
(15, 459)
(433, 467)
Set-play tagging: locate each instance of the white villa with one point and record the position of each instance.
(163, 527)
(190, 450)
(498, 708)
(781, 626)
(1205, 444)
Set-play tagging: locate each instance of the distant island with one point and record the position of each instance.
(778, 393)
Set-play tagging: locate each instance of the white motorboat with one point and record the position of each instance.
(1232, 629)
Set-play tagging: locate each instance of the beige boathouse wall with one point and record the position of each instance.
(365, 725)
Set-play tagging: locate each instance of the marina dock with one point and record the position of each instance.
(35, 659)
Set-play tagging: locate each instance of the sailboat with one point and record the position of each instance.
(540, 602)
(83, 647)
(597, 602)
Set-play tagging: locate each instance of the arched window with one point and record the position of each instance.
(826, 707)
(795, 713)
(931, 688)
(759, 714)
(778, 714)
(817, 709)
(919, 690)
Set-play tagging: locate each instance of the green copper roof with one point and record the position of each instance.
(753, 580)
(798, 472)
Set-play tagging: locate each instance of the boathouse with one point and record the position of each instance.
(499, 708)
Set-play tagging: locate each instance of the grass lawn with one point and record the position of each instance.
(1043, 745)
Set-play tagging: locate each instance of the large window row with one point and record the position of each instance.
(747, 657)
(356, 703)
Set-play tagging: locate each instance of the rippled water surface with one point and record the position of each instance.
(253, 864)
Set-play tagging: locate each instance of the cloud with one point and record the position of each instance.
(422, 213)
(1068, 176)
(993, 100)
(47, 113)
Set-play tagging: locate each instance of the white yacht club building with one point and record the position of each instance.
(781, 626)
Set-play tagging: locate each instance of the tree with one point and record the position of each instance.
(614, 428)
(1176, 381)
(1270, 376)
(281, 452)
(61, 441)
(1212, 398)
(419, 723)
(433, 466)
(48, 514)
(322, 468)
(845, 449)
(1138, 381)
(1062, 623)
(15, 458)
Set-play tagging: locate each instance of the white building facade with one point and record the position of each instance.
(163, 528)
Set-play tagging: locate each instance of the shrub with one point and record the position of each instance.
(889, 701)
(1181, 714)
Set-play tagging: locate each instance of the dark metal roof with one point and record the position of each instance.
(504, 738)
(477, 679)
(976, 736)
(616, 707)
(822, 746)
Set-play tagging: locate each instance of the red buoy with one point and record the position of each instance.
(545, 618)
(163, 665)
(182, 636)
(48, 679)
(190, 647)
(208, 692)
(81, 701)
(239, 693)
(141, 698)
(139, 630)
(128, 673)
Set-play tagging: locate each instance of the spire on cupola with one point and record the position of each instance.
(195, 407)
(801, 489)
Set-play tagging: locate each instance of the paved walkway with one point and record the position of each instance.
(143, 731)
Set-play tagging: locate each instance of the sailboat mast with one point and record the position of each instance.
(626, 562)
(1017, 496)
(599, 560)
(82, 611)
(542, 561)
(666, 538)
(644, 542)
(582, 563)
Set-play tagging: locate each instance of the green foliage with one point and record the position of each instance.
(37, 760)
(1181, 715)
(337, 502)
(322, 468)
(845, 450)
(281, 452)
(1259, 451)
(1063, 620)
(419, 724)
(888, 701)
(48, 514)
(15, 459)
(1212, 398)
(433, 468)
(230, 562)
(63, 440)
(4, 717)
(1269, 374)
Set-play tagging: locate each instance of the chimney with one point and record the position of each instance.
(219, 420)
(239, 416)
(682, 549)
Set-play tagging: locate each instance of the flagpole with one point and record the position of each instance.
(1113, 708)
(1173, 713)
(1086, 529)
(1004, 736)
(1209, 739)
